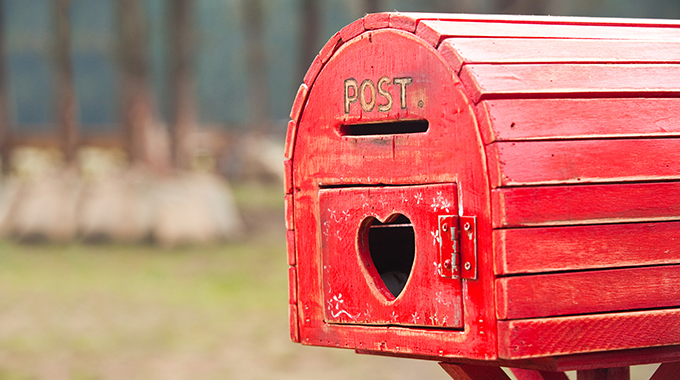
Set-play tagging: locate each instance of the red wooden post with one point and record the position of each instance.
(532, 374)
(620, 373)
(667, 371)
(474, 372)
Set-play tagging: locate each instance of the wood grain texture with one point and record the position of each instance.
(293, 324)
(353, 288)
(473, 372)
(290, 248)
(324, 55)
(352, 30)
(403, 22)
(588, 333)
(435, 31)
(543, 119)
(544, 50)
(585, 204)
(292, 286)
(326, 158)
(374, 21)
(288, 176)
(532, 374)
(295, 112)
(619, 373)
(618, 358)
(289, 200)
(570, 80)
(536, 250)
(583, 161)
(667, 371)
(291, 132)
(588, 292)
(542, 20)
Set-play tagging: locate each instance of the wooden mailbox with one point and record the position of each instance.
(486, 188)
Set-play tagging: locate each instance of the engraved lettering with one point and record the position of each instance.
(352, 84)
(403, 82)
(383, 92)
(369, 104)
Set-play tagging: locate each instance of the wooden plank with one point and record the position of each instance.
(402, 22)
(667, 371)
(532, 374)
(290, 247)
(352, 30)
(587, 292)
(536, 250)
(588, 333)
(474, 372)
(290, 211)
(374, 281)
(292, 286)
(537, 50)
(570, 80)
(618, 358)
(293, 323)
(541, 119)
(434, 31)
(288, 176)
(550, 20)
(587, 204)
(299, 102)
(619, 373)
(291, 133)
(583, 161)
(374, 21)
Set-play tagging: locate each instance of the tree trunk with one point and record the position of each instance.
(260, 110)
(183, 90)
(66, 96)
(310, 32)
(138, 109)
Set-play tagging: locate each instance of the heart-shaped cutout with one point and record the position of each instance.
(388, 251)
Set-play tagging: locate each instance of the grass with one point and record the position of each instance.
(90, 312)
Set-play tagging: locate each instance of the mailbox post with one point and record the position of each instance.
(490, 191)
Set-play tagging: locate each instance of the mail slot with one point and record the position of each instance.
(487, 188)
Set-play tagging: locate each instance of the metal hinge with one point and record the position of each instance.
(458, 247)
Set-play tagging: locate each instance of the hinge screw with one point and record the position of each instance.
(447, 264)
(468, 265)
(445, 227)
(466, 227)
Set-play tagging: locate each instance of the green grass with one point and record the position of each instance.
(87, 312)
(90, 312)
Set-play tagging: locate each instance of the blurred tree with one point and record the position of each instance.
(180, 30)
(65, 85)
(373, 6)
(4, 127)
(260, 110)
(310, 34)
(138, 108)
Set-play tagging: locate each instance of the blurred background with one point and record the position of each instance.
(141, 213)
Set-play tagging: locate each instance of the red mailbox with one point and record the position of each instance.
(495, 189)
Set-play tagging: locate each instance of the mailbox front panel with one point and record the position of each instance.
(384, 118)
(381, 254)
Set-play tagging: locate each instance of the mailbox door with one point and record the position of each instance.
(382, 255)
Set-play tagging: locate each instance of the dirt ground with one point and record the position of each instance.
(87, 312)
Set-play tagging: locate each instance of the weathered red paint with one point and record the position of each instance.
(558, 135)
